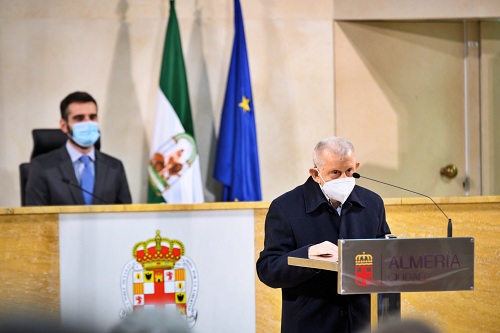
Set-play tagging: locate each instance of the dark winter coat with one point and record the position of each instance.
(301, 218)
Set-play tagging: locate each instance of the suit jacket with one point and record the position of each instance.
(295, 221)
(45, 185)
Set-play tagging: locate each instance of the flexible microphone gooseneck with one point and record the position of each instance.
(69, 182)
(450, 226)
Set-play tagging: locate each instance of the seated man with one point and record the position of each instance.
(77, 173)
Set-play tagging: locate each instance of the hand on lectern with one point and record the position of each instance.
(324, 249)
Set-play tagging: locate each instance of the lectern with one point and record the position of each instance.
(388, 267)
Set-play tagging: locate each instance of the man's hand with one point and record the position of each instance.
(325, 249)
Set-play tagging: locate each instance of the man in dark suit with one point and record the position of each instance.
(308, 221)
(57, 178)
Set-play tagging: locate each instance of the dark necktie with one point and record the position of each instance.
(87, 182)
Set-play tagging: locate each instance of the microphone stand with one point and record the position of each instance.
(69, 182)
(450, 226)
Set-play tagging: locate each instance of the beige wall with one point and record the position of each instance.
(415, 10)
(490, 74)
(401, 84)
(112, 49)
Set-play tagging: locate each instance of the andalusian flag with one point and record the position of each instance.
(237, 158)
(174, 166)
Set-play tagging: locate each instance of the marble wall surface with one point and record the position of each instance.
(112, 49)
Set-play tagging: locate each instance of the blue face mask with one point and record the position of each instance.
(85, 134)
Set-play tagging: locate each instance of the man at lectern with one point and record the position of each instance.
(309, 220)
(77, 173)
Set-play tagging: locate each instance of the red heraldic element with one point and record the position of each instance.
(159, 285)
(158, 273)
(364, 269)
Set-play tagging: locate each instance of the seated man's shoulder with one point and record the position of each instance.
(108, 159)
(53, 157)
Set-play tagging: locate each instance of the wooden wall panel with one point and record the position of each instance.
(29, 257)
(461, 311)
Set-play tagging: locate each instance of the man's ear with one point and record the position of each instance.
(357, 165)
(64, 126)
(315, 175)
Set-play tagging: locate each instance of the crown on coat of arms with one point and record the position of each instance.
(364, 259)
(158, 252)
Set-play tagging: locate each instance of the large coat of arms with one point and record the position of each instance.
(157, 276)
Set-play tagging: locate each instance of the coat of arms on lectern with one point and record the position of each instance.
(156, 277)
(364, 269)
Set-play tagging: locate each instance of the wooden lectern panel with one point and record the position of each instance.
(29, 258)
(30, 263)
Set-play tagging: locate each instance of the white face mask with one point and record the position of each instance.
(338, 189)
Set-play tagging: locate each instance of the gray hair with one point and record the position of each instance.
(337, 145)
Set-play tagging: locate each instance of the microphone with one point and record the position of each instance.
(69, 182)
(450, 227)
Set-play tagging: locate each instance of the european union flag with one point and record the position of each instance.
(237, 158)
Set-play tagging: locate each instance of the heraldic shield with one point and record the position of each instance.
(364, 269)
(156, 277)
(171, 160)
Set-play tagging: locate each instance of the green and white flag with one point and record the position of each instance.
(174, 165)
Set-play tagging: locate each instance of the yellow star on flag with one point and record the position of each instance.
(245, 104)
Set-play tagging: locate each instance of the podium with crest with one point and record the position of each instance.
(388, 267)
(51, 262)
